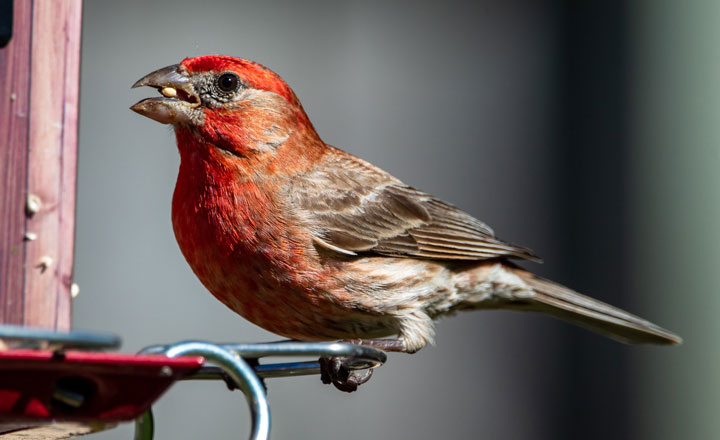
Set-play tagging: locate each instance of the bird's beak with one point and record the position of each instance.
(179, 102)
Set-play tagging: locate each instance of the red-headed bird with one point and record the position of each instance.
(313, 243)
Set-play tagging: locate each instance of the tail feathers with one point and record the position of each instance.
(592, 314)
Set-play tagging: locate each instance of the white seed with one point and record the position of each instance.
(169, 92)
(74, 290)
(44, 263)
(30, 236)
(32, 204)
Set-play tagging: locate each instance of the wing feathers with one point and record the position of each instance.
(356, 207)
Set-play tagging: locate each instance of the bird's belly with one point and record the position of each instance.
(277, 293)
(290, 309)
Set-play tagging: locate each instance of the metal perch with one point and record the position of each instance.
(239, 365)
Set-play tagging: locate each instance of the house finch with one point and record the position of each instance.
(315, 244)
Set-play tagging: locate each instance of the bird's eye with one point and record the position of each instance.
(228, 82)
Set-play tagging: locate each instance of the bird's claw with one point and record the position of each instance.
(336, 371)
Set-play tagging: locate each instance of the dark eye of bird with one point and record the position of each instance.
(228, 82)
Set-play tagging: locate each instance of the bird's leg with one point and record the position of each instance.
(336, 371)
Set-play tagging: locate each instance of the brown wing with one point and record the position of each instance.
(352, 206)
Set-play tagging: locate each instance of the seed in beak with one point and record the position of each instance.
(169, 92)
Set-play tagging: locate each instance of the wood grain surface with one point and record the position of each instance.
(39, 81)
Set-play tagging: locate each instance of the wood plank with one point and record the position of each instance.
(41, 66)
(14, 110)
(55, 431)
(68, 164)
(52, 142)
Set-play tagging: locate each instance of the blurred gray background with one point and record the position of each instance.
(586, 131)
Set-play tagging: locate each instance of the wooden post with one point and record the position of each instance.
(39, 80)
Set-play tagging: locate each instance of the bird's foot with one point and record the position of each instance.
(336, 371)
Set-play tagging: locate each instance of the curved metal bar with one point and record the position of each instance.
(359, 357)
(231, 365)
(243, 376)
(323, 349)
(237, 369)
